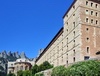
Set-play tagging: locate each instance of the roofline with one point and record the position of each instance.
(97, 1)
(22, 62)
(69, 8)
(51, 42)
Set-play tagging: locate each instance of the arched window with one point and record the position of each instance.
(26, 67)
(21, 68)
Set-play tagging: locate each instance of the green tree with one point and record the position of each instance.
(59, 71)
(47, 65)
(39, 74)
(20, 73)
(27, 73)
(10, 74)
(86, 68)
(34, 69)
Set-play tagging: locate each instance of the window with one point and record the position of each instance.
(67, 30)
(66, 15)
(74, 52)
(62, 44)
(86, 19)
(87, 39)
(73, 15)
(87, 29)
(86, 57)
(96, 6)
(74, 59)
(96, 14)
(74, 41)
(86, 11)
(91, 12)
(96, 21)
(86, 2)
(67, 23)
(67, 56)
(87, 49)
(74, 7)
(74, 24)
(67, 61)
(91, 4)
(21, 68)
(91, 20)
(74, 33)
(67, 40)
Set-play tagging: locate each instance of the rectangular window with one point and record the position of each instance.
(74, 59)
(96, 6)
(96, 14)
(96, 21)
(87, 20)
(74, 33)
(86, 57)
(87, 49)
(91, 12)
(91, 20)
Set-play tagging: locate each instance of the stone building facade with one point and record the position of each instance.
(20, 64)
(79, 39)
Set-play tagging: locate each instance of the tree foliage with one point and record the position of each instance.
(59, 71)
(44, 66)
(39, 74)
(86, 68)
(10, 74)
(20, 73)
(27, 73)
(34, 69)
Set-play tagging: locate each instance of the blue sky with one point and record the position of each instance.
(29, 25)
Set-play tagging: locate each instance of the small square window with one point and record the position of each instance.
(87, 39)
(87, 29)
(74, 7)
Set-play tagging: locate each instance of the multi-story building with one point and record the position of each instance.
(20, 64)
(79, 39)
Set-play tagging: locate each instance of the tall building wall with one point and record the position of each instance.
(79, 38)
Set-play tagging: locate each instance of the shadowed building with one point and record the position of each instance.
(79, 39)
